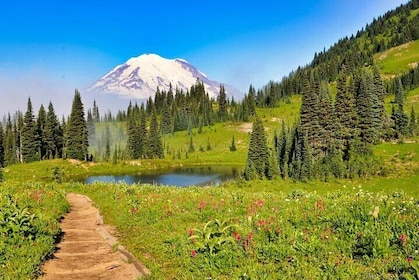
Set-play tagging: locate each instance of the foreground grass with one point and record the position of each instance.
(29, 227)
(347, 233)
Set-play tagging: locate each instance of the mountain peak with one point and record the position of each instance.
(140, 76)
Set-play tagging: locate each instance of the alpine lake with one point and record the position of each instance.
(179, 177)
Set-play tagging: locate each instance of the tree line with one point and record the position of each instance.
(332, 138)
(395, 28)
(29, 138)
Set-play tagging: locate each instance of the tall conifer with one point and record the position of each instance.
(29, 137)
(258, 155)
(76, 130)
(1, 146)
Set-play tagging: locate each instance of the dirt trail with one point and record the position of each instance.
(85, 251)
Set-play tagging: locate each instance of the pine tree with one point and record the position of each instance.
(107, 155)
(155, 146)
(142, 133)
(10, 144)
(233, 145)
(191, 148)
(166, 118)
(76, 131)
(310, 113)
(222, 104)
(53, 134)
(401, 120)
(95, 113)
(1, 146)
(91, 130)
(41, 123)
(345, 112)
(251, 101)
(380, 116)
(413, 126)
(327, 120)
(364, 107)
(281, 146)
(29, 138)
(258, 151)
(133, 140)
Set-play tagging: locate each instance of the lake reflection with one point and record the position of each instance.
(182, 177)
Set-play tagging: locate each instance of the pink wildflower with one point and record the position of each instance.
(403, 239)
(193, 253)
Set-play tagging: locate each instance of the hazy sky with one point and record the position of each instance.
(49, 48)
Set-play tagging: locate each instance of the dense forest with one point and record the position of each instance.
(333, 136)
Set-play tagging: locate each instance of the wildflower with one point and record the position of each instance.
(190, 232)
(202, 205)
(375, 213)
(237, 236)
(409, 260)
(193, 253)
(403, 239)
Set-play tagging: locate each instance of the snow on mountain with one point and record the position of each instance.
(140, 76)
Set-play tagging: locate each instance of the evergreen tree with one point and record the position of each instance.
(142, 133)
(107, 155)
(310, 113)
(233, 145)
(53, 134)
(29, 138)
(327, 120)
(1, 146)
(345, 112)
(10, 144)
(413, 126)
(364, 106)
(258, 155)
(76, 130)
(222, 104)
(166, 118)
(401, 120)
(379, 112)
(95, 113)
(133, 141)
(191, 148)
(251, 101)
(250, 170)
(282, 149)
(91, 130)
(155, 146)
(41, 123)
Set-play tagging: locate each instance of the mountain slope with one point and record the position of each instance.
(140, 76)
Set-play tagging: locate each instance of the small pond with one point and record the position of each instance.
(180, 177)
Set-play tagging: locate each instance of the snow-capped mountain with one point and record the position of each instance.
(140, 76)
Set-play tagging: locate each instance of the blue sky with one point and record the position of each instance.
(49, 48)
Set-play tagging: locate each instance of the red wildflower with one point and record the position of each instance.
(237, 236)
(190, 232)
(202, 205)
(403, 239)
(409, 260)
(193, 253)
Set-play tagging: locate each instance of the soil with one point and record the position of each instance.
(87, 250)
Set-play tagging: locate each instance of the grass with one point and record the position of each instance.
(272, 234)
(399, 59)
